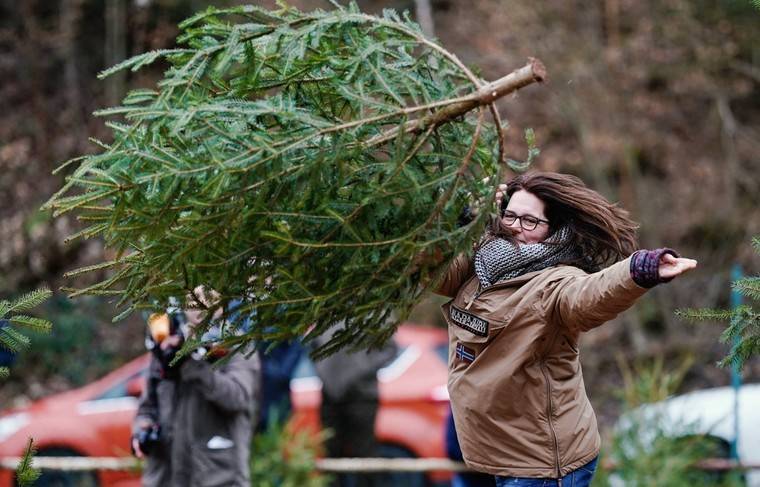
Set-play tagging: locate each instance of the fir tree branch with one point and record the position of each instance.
(37, 324)
(743, 331)
(705, 314)
(5, 307)
(13, 340)
(748, 286)
(28, 301)
(26, 474)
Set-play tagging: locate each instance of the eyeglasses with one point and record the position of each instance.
(527, 222)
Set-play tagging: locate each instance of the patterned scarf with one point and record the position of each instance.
(500, 260)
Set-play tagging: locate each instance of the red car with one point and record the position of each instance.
(95, 420)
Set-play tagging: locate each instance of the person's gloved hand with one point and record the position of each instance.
(146, 438)
(143, 425)
(501, 192)
(165, 353)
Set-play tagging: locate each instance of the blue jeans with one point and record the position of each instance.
(577, 478)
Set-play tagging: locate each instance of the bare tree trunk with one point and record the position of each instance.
(139, 29)
(612, 22)
(628, 177)
(424, 12)
(115, 48)
(731, 165)
(32, 72)
(71, 13)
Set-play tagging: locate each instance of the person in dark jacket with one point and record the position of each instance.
(195, 419)
(350, 399)
(278, 365)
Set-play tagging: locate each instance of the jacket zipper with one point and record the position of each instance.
(480, 290)
(551, 424)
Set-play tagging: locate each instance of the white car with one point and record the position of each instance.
(713, 412)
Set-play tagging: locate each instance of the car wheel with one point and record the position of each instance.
(60, 478)
(407, 479)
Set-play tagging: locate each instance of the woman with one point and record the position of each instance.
(519, 306)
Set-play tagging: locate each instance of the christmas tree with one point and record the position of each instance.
(743, 331)
(306, 163)
(13, 340)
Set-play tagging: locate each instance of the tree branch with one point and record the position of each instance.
(531, 73)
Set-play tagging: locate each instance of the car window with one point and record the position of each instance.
(305, 367)
(400, 349)
(443, 352)
(119, 389)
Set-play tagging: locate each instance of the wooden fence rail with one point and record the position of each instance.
(331, 465)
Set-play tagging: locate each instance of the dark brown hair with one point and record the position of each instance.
(602, 231)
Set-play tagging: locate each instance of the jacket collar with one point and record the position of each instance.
(522, 279)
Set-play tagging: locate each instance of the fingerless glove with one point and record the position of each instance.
(645, 266)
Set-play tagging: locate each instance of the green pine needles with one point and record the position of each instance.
(11, 322)
(12, 339)
(300, 161)
(743, 331)
(26, 474)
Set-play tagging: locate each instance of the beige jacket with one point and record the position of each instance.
(515, 381)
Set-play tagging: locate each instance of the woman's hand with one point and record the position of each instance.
(475, 205)
(671, 266)
(501, 191)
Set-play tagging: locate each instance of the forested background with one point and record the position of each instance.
(654, 103)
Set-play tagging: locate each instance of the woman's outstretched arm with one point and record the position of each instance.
(583, 301)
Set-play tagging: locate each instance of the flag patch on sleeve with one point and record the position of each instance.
(465, 354)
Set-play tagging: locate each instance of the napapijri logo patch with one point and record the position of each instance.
(468, 321)
(465, 354)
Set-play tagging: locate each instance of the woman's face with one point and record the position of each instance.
(521, 204)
